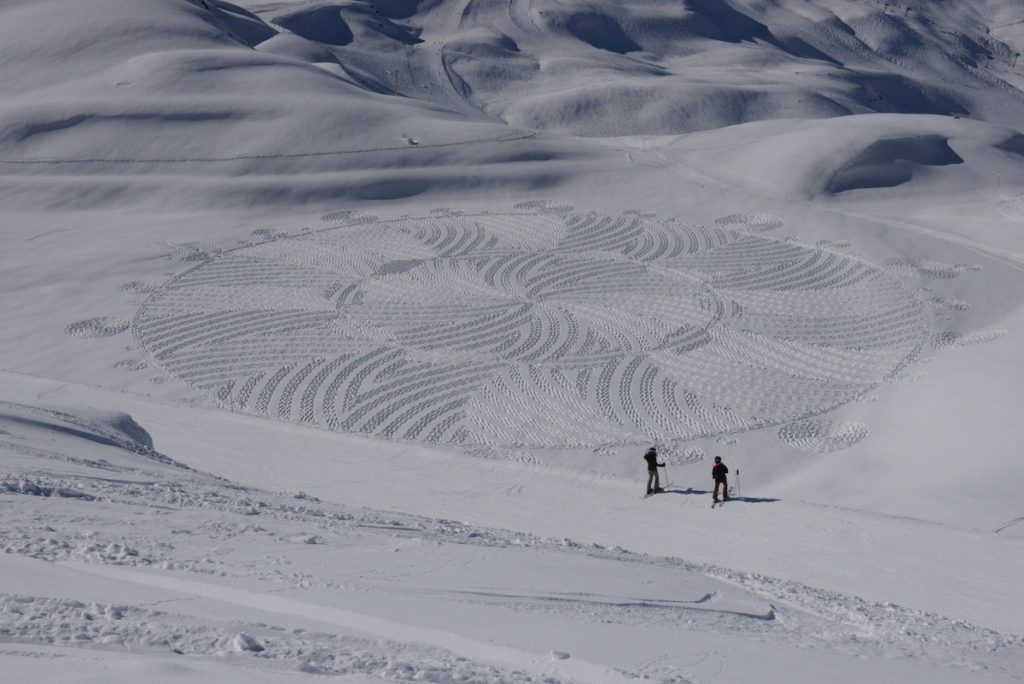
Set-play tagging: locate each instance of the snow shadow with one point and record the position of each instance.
(600, 31)
(690, 491)
(323, 24)
(888, 163)
(59, 428)
(241, 24)
(591, 601)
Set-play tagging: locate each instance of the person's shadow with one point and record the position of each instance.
(689, 491)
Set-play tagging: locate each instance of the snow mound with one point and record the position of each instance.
(853, 156)
(245, 643)
(26, 424)
(239, 23)
(891, 162)
(290, 45)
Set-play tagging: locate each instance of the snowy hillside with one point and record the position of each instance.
(334, 333)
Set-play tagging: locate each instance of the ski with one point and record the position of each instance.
(663, 491)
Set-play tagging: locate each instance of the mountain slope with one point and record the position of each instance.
(333, 333)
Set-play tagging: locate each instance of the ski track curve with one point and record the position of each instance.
(1010, 258)
(543, 666)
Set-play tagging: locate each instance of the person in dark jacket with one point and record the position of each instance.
(652, 471)
(718, 473)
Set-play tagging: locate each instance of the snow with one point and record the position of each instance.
(334, 334)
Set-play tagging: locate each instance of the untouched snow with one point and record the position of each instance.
(333, 334)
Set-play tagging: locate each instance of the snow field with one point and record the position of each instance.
(394, 316)
(214, 572)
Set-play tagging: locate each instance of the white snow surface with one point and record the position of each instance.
(334, 333)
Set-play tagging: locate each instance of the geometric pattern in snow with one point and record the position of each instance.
(97, 327)
(755, 222)
(533, 329)
(823, 436)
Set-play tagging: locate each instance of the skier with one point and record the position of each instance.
(718, 472)
(652, 471)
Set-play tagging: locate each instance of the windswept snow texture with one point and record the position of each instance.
(534, 330)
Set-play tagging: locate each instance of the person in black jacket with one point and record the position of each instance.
(652, 471)
(718, 473)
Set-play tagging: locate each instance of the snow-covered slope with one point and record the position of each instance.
(333, 333)
(211, 575)
(119, 95)
(644, 67)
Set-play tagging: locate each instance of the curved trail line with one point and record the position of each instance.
(1008, 525)
(534, 329)
(1012, 259)
(504, 656)
(509, 137)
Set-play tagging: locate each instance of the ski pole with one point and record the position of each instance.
(737, 483)
(666, 476)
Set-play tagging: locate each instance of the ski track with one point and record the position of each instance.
(1009, 524)
(1010, 258)
(571, 670)
(505, 138)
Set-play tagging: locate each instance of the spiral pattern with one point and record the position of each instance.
(538, 329)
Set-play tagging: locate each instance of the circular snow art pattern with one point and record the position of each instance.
(533, 329)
